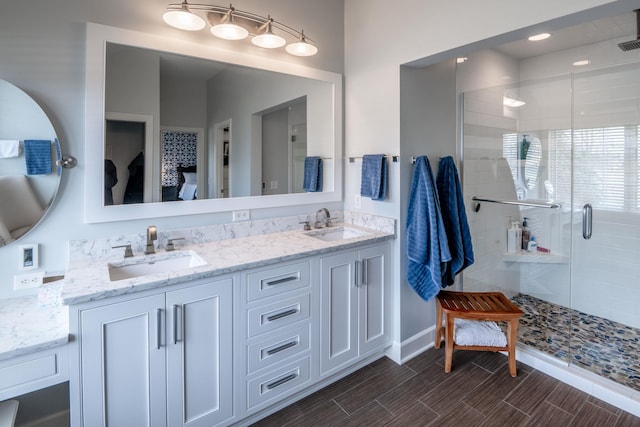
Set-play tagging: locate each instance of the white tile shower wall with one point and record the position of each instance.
(605, 268)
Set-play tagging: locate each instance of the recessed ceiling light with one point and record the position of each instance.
(461, 59)
(581, 63)
(539, 37)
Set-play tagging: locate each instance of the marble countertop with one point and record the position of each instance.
(27, 327)
(88, 279)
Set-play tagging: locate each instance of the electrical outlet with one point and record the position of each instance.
(357, 201)
(27, 280)
(242, 215)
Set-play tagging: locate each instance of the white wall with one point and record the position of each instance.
(372, 90)
(42, 51)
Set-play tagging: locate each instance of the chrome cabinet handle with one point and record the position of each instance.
(158, 328)
(283, 280)
(587, 221)
(365, 273)
(282, 314)
(282, 347)
(281, 381)
(174, 310)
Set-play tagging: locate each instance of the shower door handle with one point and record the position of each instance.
(587, 221)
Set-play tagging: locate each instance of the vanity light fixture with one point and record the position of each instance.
(230, 23)
(512, 102)
(538, 37)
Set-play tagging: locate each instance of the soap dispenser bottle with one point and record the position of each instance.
(532, 246)
(526, 234)
(514, 238)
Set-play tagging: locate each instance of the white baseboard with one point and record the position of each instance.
(410, 348)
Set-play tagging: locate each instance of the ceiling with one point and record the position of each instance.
(578, 35)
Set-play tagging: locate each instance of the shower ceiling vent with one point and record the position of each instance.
(633, 44)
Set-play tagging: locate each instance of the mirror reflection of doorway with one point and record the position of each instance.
(219, 161)
(127, 159)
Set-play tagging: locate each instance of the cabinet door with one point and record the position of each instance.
(123, 364)
(199, 354)
(373, 299)
(338, 315)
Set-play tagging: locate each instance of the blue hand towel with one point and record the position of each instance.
(427, 247)
(454, 217)
(37, 156)
(312, 174)
(373, 181)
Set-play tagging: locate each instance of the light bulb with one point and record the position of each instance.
(268, 40)
(301, 48)
(183, 19)
(229, 31)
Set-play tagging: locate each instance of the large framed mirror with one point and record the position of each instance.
(180, 128)
(29, 176)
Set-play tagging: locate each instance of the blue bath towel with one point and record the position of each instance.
(427, 247)
(454, 217)
(312, 174)
(37, 156)
(373, 181)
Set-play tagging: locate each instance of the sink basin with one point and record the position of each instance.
(336, 233)
(154, 264)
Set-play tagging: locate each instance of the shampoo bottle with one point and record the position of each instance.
(514, 238)
(526, 235)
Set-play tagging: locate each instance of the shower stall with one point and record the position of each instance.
(563, 152)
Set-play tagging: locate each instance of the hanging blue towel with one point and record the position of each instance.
(373, 181)
(427, 247)
(37, 156)
(454, 217)
(312, 174)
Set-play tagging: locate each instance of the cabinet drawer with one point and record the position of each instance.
(277, 383)
(272, 316)
(31, 372)
(275, 347)
(277, 280)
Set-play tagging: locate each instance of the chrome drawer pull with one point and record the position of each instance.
(158, 328)
(281, 281)
(282, 347)
(282, 314)
(282, 381)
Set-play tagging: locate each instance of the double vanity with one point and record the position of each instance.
(222, 332)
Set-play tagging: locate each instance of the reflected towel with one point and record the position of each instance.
(312, 174)
(479, 333)
(37, 156)
(455, 220)
(373, 181)
(427, 247)
(9, 148)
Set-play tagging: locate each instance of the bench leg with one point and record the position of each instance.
(448, 343)
(512, 330)
(438, 340)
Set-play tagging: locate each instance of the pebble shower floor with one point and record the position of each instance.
(607, 348)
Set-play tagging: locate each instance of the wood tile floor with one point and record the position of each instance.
(478, 392)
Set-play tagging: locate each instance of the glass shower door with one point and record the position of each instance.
(605, 264)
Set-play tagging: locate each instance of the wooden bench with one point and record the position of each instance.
(488, 306)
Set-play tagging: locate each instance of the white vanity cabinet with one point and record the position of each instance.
(354, 317)
(277, 312)
(163, 359)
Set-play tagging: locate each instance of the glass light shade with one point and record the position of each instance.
(301, 48)
(183, 19)
(268, 40)
(229, 31)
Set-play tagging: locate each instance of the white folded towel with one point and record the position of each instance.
(478, 333)
(9, 148)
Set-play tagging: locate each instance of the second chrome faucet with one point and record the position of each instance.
(152, 235)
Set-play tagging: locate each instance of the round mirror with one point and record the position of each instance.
(29, 175)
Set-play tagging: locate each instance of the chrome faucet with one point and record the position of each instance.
(323, 218)
(152, 234)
